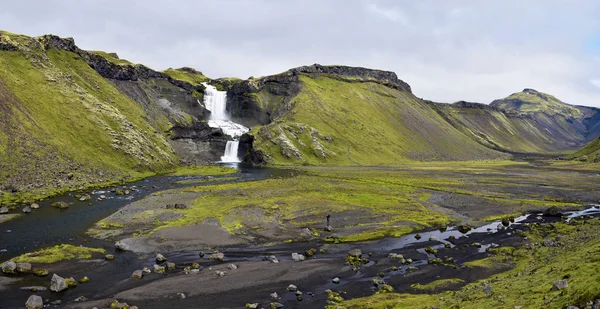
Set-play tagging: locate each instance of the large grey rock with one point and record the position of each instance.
(34, 302)
(272, 258)
(355, 253)
(60, 205)
(9, 267)
(158, 269)
(120, 246)
(23, 267)
(559, 285)
(232, 267)
(26, 209)
(160, 258)
(35, 206)
(298, 257)
(3, 210)
(218, 256)
(138, 274)
(171, 266)
(58, 283)
(292, 288)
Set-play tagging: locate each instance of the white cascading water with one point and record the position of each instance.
(216, 102)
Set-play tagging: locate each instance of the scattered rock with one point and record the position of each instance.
(138, 274)
(171, 266)
(35, 206)
(552, 212)
(146, 270)
(329, 228)
(23, 267)
(217, 256)
(476, 244)
(9, 267)
(60, 205)
(274, 295)
(306, 233)
(297, 257)
(336, 280)
(220, 273)
(196, 266)
(159, 269)
(433, 238)
(201, 254)
(272, 259)
(80, 299)
(559, 285)
(395, 256)
(276, 305)
(232, 266)
(85, 279)
(418, 236)
(292, 288)
(34, 302)
(180, 295)
(40, 272)
(464, 229)
(58, 283)
(355, 253)
(71, 283)
(3, 210)
(252, 306)
(160, 258)
(26, 209)
(84, 198)
(109, 257)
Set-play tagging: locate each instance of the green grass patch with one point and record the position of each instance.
(206, 170)
(437, 285)
(58, 253)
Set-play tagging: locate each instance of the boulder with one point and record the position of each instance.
(232, 267)
(3, 210)
(195, 265)
(559, 285)
(306, 233)
(336, 280)
(40, 272)
(160, 258)
(180, 295)
(84, 198)
(35, 206)
(23, 267)
(355, 253)
(138, 274)
(109, 257)
(272, 259)
(9, 267)
(292, 288)
(158, 269)
(146, 270)
(181, 206)
(58, 283)
(85, 279)
(298, 257)
(329, 228)
(552, 212)
(252, 306)
(274, 295)
(26, 209)
(171, 266)
(220, 273)
(217, 256)
(433, 238)
(34, 302)
(60, 205)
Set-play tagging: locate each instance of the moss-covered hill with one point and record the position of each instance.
(69, 118)
(589, 153)
(347, 120)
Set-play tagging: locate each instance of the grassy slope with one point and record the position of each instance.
(61, 110)
(342, 123)
(110, 57)
(528, 284)
(497, 130)
(531, 101)
(194, 78)
(591, 152)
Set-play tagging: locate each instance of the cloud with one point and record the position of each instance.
(446, 50)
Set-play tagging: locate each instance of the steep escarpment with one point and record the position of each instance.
(355, 116)
(71, 117)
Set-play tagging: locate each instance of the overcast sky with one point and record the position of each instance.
(446, 50)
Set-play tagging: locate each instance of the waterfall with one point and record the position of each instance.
(231, 151)
(216, 102)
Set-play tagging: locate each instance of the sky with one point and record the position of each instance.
(447, 50)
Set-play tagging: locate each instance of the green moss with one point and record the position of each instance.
(589, 153)
(58, 253)
(193, 77)
(437, 285)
